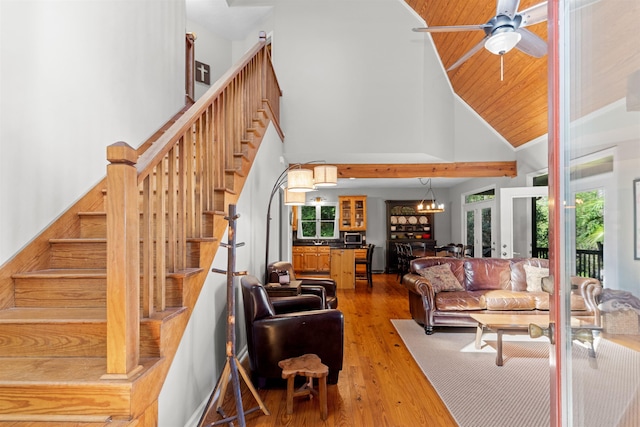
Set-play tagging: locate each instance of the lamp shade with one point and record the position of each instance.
(325, 175)
(300, 180)
(293, 198)
(503, 42)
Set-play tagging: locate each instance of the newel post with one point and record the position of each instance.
(123, 262)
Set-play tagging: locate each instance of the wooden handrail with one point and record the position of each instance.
(175, 182)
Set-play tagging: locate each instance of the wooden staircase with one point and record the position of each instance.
(61, 315)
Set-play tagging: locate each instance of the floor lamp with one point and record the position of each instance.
(299, 180)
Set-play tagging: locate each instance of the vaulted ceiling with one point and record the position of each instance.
(515, 107)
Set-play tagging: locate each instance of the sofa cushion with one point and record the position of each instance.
(541, 300)
(534, 277)
(487, 273)
(441, 278)
(518, 275)
(460, 301)
(456, 264)
(505, 300)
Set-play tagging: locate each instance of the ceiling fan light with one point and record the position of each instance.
(501, 43)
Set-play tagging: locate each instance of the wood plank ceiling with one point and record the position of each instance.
(517, 106)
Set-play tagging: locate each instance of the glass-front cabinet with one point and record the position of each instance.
(353, 213)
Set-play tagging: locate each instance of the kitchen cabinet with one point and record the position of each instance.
(406, 225)
(311, 259)
(324, 259)
(353, 213)
(343, 268)
(297, 258)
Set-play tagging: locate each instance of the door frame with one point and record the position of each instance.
(507, 196)
(478, 207)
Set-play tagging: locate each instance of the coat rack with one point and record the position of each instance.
(232, 367)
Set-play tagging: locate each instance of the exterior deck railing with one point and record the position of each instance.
(589, 263)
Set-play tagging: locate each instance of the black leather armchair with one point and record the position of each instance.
(310, 284)
(273, 336)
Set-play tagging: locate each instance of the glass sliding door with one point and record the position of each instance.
(594, 85)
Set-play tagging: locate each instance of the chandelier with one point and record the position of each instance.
(429, 204)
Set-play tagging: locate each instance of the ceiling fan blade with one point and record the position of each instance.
(450, 28)
(507, 7)
(534, 14)
(531, 44)
(469, 54)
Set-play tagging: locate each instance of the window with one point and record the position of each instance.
(318, 222)
(489, 194)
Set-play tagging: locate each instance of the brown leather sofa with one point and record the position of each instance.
(310, 284)
(285, 327)
(486, 284)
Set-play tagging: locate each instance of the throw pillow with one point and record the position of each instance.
(534, 277)
(441, 278)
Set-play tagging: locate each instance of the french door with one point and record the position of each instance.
(515, 220)
(479, 231)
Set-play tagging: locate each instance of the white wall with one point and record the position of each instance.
(475, 140)
(212, 50)
(615, 128)
(76, 77)
(362, 87)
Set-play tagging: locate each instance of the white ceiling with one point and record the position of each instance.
(232, 23)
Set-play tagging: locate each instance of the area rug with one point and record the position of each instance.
(480, 394)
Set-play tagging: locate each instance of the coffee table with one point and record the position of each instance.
(518, 324)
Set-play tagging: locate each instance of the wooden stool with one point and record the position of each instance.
(311, 367)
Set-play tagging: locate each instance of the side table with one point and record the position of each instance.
(310, 366)
(294, 288)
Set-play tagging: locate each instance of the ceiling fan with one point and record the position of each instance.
(504, 31)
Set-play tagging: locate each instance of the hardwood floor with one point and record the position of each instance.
(380, 384)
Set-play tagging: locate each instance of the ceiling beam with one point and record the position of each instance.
(428, 170)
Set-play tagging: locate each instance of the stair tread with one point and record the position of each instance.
(46, 314)
(67, 314)
(60, 370)
(79, 239)
(87, 273)
(63, 272)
